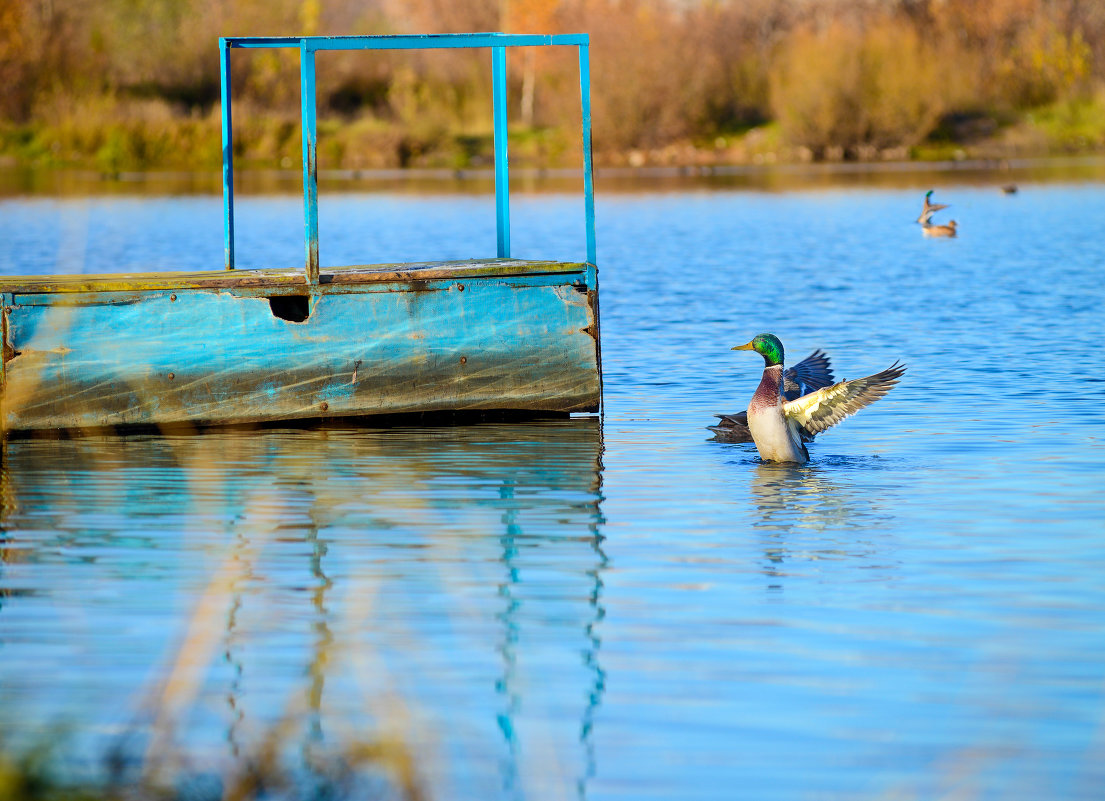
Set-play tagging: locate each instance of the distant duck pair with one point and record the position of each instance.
(928, 228)
(790, 407)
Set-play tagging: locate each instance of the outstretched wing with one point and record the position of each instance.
(929, 209)
(828, 406)
(810, 374)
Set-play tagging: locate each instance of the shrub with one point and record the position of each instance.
(1045, 66)
(879, 86)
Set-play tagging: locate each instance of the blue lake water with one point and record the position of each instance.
(614, 608)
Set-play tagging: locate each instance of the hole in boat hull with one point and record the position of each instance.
(293, 308)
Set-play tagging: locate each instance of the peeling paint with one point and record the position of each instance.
(290, 280)
(90, 362)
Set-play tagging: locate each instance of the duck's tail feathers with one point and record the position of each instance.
(732, 428)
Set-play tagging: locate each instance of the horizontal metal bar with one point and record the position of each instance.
(411, 42)
(262, 41)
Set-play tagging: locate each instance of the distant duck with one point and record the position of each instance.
(928, 228)
(780, 427)
(948, 230)
(1009, 189)
(810, 374)
(929, 208)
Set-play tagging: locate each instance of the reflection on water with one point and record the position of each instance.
(802, 497)
(815, 512)
(442, 586)
(797, 505)
(916, 613)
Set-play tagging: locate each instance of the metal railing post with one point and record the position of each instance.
(588, 168)
(228, 156)
(502, 169)
(310, 157)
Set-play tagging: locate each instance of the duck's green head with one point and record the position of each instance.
(768, 346)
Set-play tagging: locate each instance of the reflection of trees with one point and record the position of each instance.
(332, 574)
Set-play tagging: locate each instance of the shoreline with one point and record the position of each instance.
(17, 180)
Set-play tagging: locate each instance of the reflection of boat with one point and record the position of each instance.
(527, 611)
(455, 570)
(243, 346)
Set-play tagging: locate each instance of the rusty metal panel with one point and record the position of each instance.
(234, 354)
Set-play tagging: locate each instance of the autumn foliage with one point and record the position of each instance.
(135, 82)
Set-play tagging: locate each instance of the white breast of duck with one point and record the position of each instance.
(776, 439)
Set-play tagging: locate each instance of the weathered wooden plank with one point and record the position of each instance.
(208, 353)
(378, 273)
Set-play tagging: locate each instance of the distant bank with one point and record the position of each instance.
(21, 180)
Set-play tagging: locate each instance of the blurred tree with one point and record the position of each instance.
(1044, 66)
(528, 16)
(854, 74)
(853, 88)
(14, 61)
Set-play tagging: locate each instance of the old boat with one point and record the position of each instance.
(237, 346)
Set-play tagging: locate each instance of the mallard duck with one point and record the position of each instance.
(939, 230)
(929, 208)
(810, 374)
(780, 428)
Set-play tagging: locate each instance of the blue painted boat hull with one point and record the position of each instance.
(215, 348)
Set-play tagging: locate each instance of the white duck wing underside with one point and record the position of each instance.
(826, 407)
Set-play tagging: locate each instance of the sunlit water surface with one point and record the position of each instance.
(615, 608)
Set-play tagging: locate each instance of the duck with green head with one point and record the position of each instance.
(780, 427)
(812, 373)
(928, 227)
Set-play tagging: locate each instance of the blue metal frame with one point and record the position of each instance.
(309, 45)
(502, 176)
